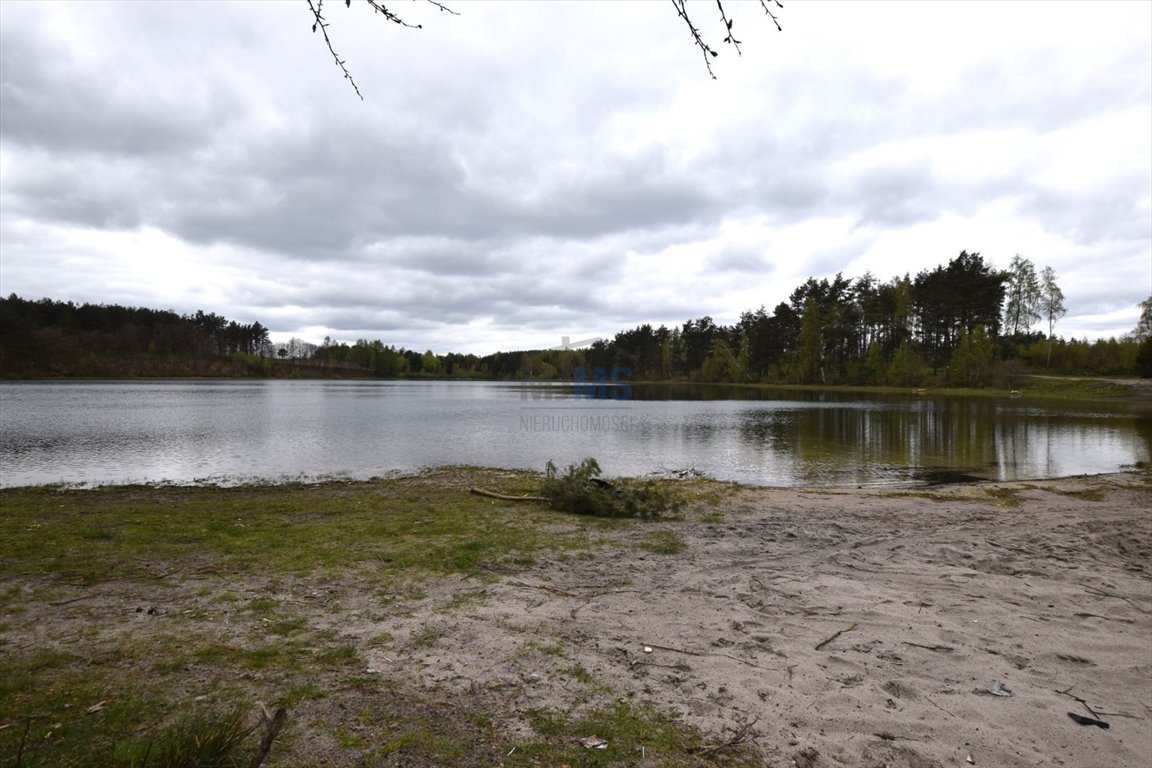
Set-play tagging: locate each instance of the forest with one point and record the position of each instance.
(963, 324)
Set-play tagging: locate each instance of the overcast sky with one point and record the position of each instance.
(531, 170)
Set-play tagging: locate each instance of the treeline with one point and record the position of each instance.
(963, 324)
(56, 338)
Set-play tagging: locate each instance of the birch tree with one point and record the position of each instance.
(1022, 296)
(1051, 304)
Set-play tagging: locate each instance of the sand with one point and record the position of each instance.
(946, 627)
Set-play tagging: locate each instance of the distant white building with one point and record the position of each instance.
(567, 343)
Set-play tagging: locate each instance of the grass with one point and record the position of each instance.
(131, 615)
(1073, 387)
(663, 542)
(396, 530)
(634, 735)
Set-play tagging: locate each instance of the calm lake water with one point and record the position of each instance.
(233, 431)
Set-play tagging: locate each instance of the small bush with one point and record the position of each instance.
(580, 490)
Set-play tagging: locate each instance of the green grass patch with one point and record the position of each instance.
(425, 637)
(664, 542)
(1073, 387)
(634, 735)
(577, 672)
(1085, 494)
(404, 527)
(1005, 497)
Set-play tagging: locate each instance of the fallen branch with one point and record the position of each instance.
(274, 726)
(504, 496)
(823, 643)
(1067, 692)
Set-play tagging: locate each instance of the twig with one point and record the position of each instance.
(322, 25)
(678, 666)
(504, 496)
(1105, 593)
(442, 7)
(944, 648)
(929, 699)
(767, 10)
(731, 39)
(378, 7)
(1066, 692)
(23, 740)
(74, 600)
(274, 727)
(721, 655)
(739, 737)
(825, 642)
(682, 11)
(545, 588)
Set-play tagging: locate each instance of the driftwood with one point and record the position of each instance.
(504, 496)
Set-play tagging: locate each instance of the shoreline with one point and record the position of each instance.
(957, 478)
(1059, 387)
(775, 626)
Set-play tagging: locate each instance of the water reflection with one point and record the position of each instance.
(91, 432)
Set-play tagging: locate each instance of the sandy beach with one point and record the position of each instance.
(853, 628)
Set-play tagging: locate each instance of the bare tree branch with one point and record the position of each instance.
(767, 10)
(320, 24)
(379, 7)
(705, 50)
(728, 28)
(442, 7)
(681, 6)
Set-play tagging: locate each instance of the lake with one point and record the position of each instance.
(228, 431)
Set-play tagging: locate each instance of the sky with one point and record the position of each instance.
(525, 171)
